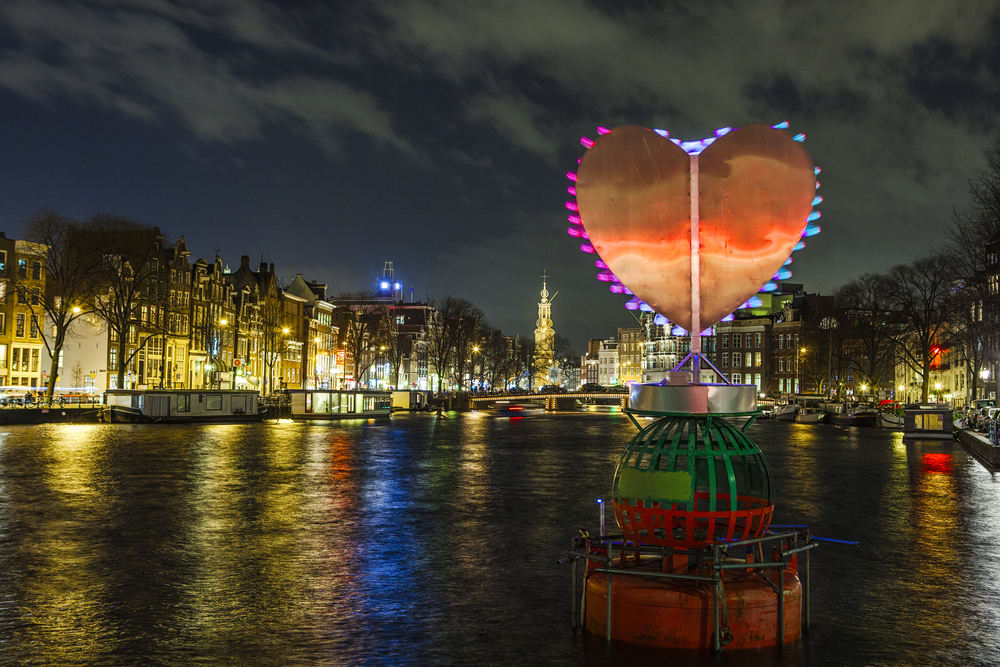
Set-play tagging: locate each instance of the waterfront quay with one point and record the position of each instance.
(433, 540)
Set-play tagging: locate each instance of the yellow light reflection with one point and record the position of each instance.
(64, 596)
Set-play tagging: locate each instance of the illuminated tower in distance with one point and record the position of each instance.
(544, 337)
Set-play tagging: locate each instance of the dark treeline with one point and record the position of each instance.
(946, 301)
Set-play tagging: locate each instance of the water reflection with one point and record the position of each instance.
(432, 540)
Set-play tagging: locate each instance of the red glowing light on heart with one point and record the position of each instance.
(755, 191)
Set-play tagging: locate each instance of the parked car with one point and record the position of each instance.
(593, 388)
(517, 391)
(551, 389)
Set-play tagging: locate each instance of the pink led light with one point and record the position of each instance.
(587, 248)
(574, 219)
(571, 190)
(605, 277)
(571, 205)
(574, 232)
(632, 304)
(571, 175)
(579, 160)
(599, 264)
(616, 288)
(603, 130)
(586, 141)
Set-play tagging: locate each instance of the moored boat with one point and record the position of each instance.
(892, 420)
(786, 412)
(857, 417)
(810, 416)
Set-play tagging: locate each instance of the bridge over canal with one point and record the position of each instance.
(567, 401)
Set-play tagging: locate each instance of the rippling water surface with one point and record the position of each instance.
(432, 540)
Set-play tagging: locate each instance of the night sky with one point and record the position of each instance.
(330, 137)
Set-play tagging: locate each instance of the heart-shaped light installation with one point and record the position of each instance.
(728, 210)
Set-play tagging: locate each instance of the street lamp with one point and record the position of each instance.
(76, 310)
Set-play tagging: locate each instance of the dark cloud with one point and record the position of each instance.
(331, 137)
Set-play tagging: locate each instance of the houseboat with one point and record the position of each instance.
(329, 404)
(180, 405)
(923, 421)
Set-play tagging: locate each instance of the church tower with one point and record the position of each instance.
(544, 335)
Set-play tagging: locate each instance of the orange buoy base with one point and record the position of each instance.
(679, 614)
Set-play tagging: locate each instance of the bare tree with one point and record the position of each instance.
(467, 328)
(270, 320)
(359, 323)
(920, 292)
(65, 258)
(524, 360)
(565, 357)
(127, 277)
(867, 328)
(446, 333)
(974, 246)
(389, 344)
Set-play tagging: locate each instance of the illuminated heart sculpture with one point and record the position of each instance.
(729, 210)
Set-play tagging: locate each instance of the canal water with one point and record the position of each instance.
(433, 541)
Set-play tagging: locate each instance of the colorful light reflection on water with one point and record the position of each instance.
(432, 541)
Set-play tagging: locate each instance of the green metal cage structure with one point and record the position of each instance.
(687, 481)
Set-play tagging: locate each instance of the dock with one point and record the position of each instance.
(979, 445)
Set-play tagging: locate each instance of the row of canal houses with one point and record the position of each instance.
(216, 328)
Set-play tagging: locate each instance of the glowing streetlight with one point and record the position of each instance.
(475, 348)
(223, 322)
(802, 350)
(286, 330)
(864, 387)
(76, 309)
(900, 387)
(317, 341)
(937, 386)
(985, 374)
